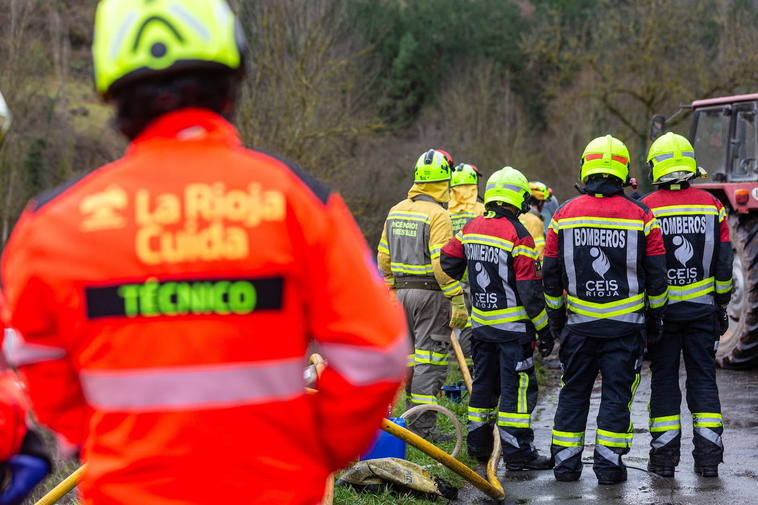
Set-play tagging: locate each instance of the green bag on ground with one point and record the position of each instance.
(374, 474)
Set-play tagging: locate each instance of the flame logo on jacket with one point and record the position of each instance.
(601, 265)
(482, 277)
(684, 251)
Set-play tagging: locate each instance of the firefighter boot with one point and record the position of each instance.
(568, 462)
(480, 440)
(661, 464)
(707, 470)
(608, 466)
(664, 451)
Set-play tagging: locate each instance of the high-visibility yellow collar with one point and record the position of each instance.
(440, 191)
(463, 198)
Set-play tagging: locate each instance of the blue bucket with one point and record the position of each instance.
(386, 445)
(454, 392)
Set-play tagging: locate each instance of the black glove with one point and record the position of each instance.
(556, 326)
(545, 343)
(723, 319)
(654, 329)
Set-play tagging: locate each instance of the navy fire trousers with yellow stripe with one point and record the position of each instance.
(696, 340)
(619, 361)
(504, 391)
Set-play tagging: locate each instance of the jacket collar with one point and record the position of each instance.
(437, 191)
(500, 211)
(603, 186)
(188, 125)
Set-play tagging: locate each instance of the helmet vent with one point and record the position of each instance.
(158, 50)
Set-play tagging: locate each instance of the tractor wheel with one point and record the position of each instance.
(739, 345)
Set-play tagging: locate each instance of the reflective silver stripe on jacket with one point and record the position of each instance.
(512, 327)
(194, 387)
(504, 274)
(710, 243)
(20, 353)
(568, 260)
(634, 318)
(678, 294)
(362, 365)
(631, 262)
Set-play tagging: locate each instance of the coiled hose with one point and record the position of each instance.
(446, 412)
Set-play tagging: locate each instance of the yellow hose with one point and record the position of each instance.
(59, 491)
(444, 458)
(446, 412)
(461, 358)
(497, 447)
(497, 450)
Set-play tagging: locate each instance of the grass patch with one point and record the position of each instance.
(61, 471)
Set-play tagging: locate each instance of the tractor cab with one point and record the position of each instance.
(724, 134)
(725, 137)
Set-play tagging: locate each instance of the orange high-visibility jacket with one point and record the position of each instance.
(166, 303)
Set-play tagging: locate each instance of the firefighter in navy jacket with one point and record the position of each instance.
(508, 309)
(604, 277)
(699, 260)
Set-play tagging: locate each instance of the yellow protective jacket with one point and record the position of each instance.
(463, 206)
(414, 232)
(536, 228)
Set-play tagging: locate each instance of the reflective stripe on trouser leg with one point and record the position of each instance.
(478, 417)
(709, 447)
(514, 420)
(609, 447)
(566, 445)
(427, 357)
(613, 439)
(664, 431)
(608, 454)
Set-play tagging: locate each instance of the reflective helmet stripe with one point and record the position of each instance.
(599, 156)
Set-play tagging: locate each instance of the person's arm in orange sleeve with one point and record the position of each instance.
(34, 347)
(359, 331)
(383, 258)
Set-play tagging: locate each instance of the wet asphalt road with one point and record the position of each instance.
(737, 483)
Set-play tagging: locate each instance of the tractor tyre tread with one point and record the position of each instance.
(742, 348)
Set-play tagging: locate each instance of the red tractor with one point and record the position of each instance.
(724, 133)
